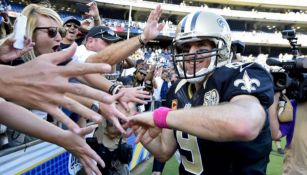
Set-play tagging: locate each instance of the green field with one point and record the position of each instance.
(171, 167)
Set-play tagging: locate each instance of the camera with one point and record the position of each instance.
(148, 86)
(294, 76)
(288, 34)
(123, 153)
(291, 37)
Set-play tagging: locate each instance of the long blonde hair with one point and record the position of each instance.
(32, 12)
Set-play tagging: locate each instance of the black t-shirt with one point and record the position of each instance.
(64, 46)
(201, 156)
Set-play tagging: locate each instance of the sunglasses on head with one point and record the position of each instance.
(52, 31)
(72, 25)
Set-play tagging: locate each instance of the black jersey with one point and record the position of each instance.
(205, 157)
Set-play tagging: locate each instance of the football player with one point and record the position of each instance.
(218, 110)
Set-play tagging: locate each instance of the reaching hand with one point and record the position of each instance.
(41, 84)
(110, 112)
(76, 144)
(23, 120)
(144, 125)
(136, 94)
(9, 53)
(153, 27)
(93, 12)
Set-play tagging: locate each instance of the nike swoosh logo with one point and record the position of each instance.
(242, 68)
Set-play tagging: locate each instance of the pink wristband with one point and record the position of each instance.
(159, 117)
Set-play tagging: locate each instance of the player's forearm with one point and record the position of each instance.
(115, 53)
(240, 120)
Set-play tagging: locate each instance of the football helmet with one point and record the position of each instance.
(198, 26)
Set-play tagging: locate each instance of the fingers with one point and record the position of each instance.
(92, 154)
(28, 45)
(87, 130)
(118, 95)
(83, 111)
(133, 129)
(129, 133)
(143, 94)
(158, 12)
(74, 70)
(61, 56)
(85, 167)
(85, 91)
(120, 115)
(150, 17)
(60, 116)
(137, 100)
(118, 125)
(140, 135)
(155, 14)
(109, 99)
(125, 105)
(160, 26)
(92, 165)
(88, 167)
(9, 41)
(147, 140)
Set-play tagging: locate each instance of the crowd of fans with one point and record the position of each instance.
(78, 93)
(50, 35)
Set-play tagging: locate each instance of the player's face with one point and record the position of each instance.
(199, 63)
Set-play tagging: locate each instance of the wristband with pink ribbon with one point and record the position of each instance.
(159, 117)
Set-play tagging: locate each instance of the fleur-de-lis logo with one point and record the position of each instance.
(247, 83)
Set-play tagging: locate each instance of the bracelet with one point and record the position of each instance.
(111, 89)
(141, 41)
(159, 117)
(116, 89)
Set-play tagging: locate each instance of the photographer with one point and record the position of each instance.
(111, 145)
(287, 116)
(294, 128)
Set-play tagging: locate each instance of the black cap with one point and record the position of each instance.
(104, 33)
(139, 61)
(71, 19)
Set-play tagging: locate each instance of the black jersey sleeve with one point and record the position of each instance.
(251, 79)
